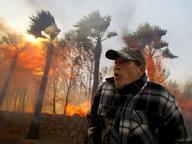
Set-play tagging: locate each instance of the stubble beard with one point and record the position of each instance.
(118, 84)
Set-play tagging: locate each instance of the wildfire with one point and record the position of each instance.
(30, 38)
(185, 104)
(30, 51)
(32, 58)
(81, 110)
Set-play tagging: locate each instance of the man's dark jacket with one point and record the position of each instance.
(134, 116)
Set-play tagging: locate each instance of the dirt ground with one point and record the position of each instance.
(7, 138)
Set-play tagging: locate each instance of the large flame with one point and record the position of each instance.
(31, 56)
(81, 110)
(31, 38)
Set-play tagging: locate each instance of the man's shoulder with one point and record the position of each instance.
(110, 80)
(155, 98)
(157, 89)
(154, 85)
(107, 81)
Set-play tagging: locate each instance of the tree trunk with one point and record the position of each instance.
(68, 89)
(20, 94)
(15, 102)
(23, 99)
(8, 79)
(54, 94)
(90, 83)
(97, 55)
(33, 132)
(90, 80)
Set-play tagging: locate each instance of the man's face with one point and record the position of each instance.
(126, 72)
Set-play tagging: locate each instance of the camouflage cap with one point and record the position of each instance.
(126, 53)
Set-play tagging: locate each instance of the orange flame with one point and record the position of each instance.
(31, 58)
(186, 107)
(185, 103)
(81, 110)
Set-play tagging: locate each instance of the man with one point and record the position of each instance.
(128, 109)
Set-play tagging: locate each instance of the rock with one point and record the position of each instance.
(73, 132)
(65, 133)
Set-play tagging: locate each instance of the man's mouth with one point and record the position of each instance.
(116, 75)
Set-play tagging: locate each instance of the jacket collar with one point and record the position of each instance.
(131, 88)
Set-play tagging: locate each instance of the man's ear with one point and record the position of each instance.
(142, 68)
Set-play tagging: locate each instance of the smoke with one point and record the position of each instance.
(121, 15)
(37, 3)
(4, 27)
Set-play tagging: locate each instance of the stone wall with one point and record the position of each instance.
(67, 129)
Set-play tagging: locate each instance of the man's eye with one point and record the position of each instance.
(122, 61)
(126, 61)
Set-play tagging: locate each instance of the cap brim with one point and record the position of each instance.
(114, 54)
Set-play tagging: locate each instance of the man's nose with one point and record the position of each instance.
(116, 67)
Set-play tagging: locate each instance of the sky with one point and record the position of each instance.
(173, 15)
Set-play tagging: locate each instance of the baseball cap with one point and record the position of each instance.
(126, 53)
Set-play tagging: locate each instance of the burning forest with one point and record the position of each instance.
(28, 60)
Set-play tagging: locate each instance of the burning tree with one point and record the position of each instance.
(74, 63)
(93, 28)
(68, 80)
(55, 84)
(187, 92)
(149, 40)
(85, 48)
(11, 46)
(42, 25)
(79, 68)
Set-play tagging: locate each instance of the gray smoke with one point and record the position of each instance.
(4, 27)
